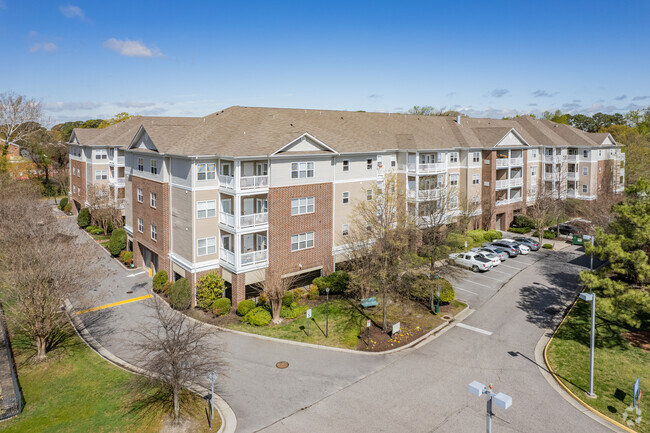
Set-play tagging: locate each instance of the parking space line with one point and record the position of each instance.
(139, 273)
(114, 304)
(465, 290)
(501, 272)
(472, 328)
(478, 284)
(490, 278)
(511, 267)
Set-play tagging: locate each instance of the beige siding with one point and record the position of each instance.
(205, 227)
(181, 204)
(280, 171)
(344, 213)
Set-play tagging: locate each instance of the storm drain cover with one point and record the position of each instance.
(130, 291)
(282, 364)
(446, 317)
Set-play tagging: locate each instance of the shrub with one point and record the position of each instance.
(168, 285)
(520, 230)
(456, 241)
(522, 221)
(126, 257)
(298, 293)
(91, 229)
(313, 292)
(491, 235)
(221, 306)
(209, 288)
(447, 293)
(245, 306)
(258, 316)
(262, 299)
(67, 208)
(336, 281)
(83, 219)
(287, 299)
(159, 281)
(547, 246)
(180, 294)
(117, 242)
(478, 236)
(547, 234)
(292, 311)
(63, 202)
(421, 288)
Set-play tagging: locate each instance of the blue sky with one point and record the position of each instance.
(88, 59)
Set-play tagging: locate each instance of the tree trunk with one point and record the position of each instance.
(383, 307)
(41, 346)
(177, 408)
(275, 310)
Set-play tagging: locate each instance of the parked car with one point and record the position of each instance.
(530, 243)
(523, 249)
(508, 247)
(471, 260)
(501, 254)
(492, 257)
(566, 229)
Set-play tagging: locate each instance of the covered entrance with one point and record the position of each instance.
(149, 259)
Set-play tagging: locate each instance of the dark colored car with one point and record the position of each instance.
(509, 247)
(566, 229)
(530, 243)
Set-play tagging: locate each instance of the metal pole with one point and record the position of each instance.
(327, 312)
(212, 402)
(488, 415)
(591, 360)
(591, 264)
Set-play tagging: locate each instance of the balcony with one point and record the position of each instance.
(571, 193)
(516, 181)
(572, 158)
(227, 181)
(503, 184)
(424, 194)
(549, 177)
(117, 182)
(116, 160)
(572, 175)
(436, 167)
(502, 202)
(227, 219)
(227, 256)
(254, 220)
(516, 161)
(515, 199)
(254, 257)
(253, 182)
(550, 159)
(502, 162)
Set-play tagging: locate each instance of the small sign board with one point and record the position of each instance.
(465, 244)
(368, 323)
(396, 328)
(309, 313)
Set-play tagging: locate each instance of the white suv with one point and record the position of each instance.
(471, 260)
(523, 248)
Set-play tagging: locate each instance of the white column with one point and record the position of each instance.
(237, 174)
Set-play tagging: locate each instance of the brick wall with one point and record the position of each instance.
(78, 181)
(282, 225)
(158, 216)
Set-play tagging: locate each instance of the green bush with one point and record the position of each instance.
(456, 242)
(221, 306)
(258, 316)
(92, 229)
(166, 287)
(336, 281)
(63, 202)
(520, 230)
(313, 292)
(180, 294)
(209, 288)
(491, 235)
(159, 281)
(83, 219)
(522, 221)
(478, 236)
(67, 208)
(447, 293)
(547, 234)
(245, 306)
(126, 257)
(262, 299)
(421, 288)
(292, 311)
(117, 242)
(298, 293)
(547, 246)
(287, 299)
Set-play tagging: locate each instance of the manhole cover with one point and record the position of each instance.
(129, 292)
(446, 317)
(282, 364)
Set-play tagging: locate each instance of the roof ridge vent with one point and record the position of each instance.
(458, 119)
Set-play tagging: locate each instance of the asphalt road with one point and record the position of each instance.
(422, 389)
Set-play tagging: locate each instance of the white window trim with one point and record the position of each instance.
(345, 229)
(476, 179)
(208, 169)
(585, 171)
(140, 195)
(154, 232)
(369, 194)
(345, 196)
(140, 166)
(346, 165)
(306, 167)
(369, 163)
(206, 206)
(453, 179)
(296, 203)
(209, 248)
(140, 225)
(153, 199)
(307, 236)
(153, 166)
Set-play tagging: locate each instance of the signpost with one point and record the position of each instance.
(396, 328)
(308, 320)
(368, 328)
(636, 393)
(212, 377)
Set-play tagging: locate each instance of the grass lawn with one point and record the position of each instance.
(345, 322)
(78, 391)
(617, 364)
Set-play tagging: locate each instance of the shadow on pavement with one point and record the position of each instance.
(543, 367)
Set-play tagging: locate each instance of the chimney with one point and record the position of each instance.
(458, 119)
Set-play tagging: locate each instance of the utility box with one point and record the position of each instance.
(476, 388)
(503, 401)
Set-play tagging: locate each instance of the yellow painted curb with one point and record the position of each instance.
(126, 301)
(550, 369)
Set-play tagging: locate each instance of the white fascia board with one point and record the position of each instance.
(518, 135)
(301, 137)
(135, 138)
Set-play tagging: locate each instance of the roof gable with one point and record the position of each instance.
(304, 144)
(142, 141)
(512, 138)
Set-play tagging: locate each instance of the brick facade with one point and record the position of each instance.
(282, 225)
(159, 216)
(238, 284)
(78, 181)
(505, 213)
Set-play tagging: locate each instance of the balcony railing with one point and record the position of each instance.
(572, 158)
(254, 220)
(516, 161)
(516, 181)
(254, 257)
(502, 202)
(424, 194)
(252, 182)
(432, 168)
(502, 162)
(227, 219)
(572, 175)
(550, 159)
(515, 199)
(227, 181)
(118, 182)
(549, 177)
(116, 160)
(503, 184)
(227, 256)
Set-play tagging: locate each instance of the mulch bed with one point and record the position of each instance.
(639, 339)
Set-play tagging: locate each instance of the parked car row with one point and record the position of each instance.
(491, 254)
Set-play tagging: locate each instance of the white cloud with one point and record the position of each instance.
(70, 106)
(72, 11)
(131, 48)
(498, 93)
(47, 46)
(135, 104)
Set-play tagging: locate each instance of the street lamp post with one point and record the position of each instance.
(327, 312)
(501, 400)
(591, 297)
(436, 277)
(212, 377)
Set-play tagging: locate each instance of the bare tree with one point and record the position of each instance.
(274, 287)
(379, 237)
(39, 265)
(432, 221)
(541, 211)
(487, 211)
(181, 352)
(19, 118)
(104, 209)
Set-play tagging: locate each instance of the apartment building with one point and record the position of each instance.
(248, 191)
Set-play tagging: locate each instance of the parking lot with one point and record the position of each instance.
(477, 287)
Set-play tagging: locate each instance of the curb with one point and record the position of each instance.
(569, 392)
(228, 418)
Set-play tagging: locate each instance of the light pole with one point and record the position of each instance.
(212, 377)
(327, 311)
(435, 277)
(501, 400)
(591, 297)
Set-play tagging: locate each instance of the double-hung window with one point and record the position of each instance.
(346, 197)
(584, 189)
(369, 194)
(475, 179)
(346, 165)
(206, 171)
(206, 246)
(585, 171)
(369, 164)
(101, 175)
(533, 171)
(476, 157)
(154, 166)
(301, 170)
(140, 195)
(101, 154)
(345, 230)
(302, 205)
(585, 154)
(153, 200)
(140, 164)
(453, 180)
(154, 232)
(140, 225)
(302, 241)
(206, 209)
(453, 157)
